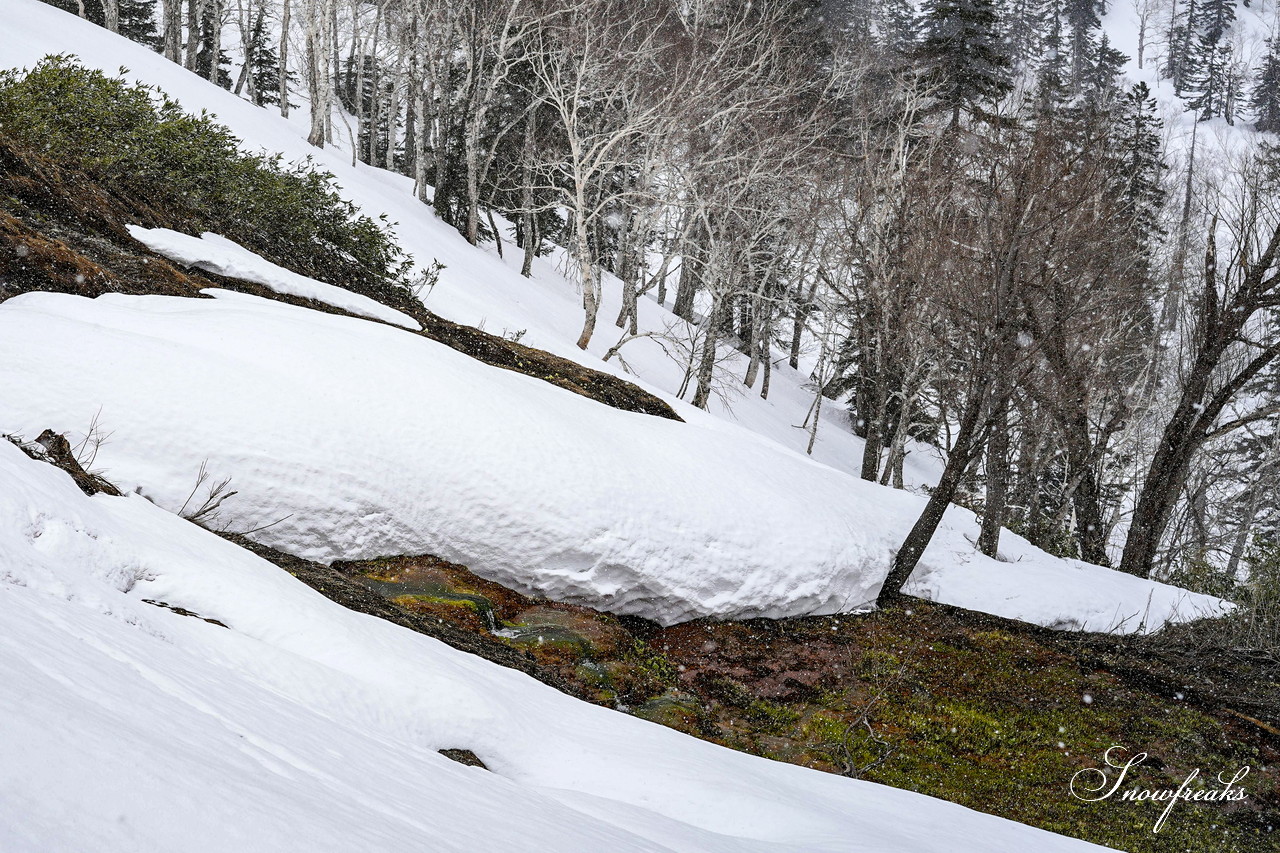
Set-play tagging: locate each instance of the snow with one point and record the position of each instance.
(217, 254)
(352, 440)
(476, 287)
(346, 439)
(305, 726)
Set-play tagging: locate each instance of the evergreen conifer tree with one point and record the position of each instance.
(1141, 163)
(1099, 86)
(900, 29)
(1051, 73)
(1026, 23)
(1180, 62)
(204, 56)
(963, 55)
(1082, 16)
(1264, 97)
(262, 63)
(1210, 78)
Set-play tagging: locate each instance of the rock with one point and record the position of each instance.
(464, 756)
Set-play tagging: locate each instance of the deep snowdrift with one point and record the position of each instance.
(348, 439)
(304, 726)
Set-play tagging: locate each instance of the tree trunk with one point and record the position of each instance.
(111, 15)
(171, 24)
(1086, 498)
(590, 277)
(869, 408)
(997, 482)
(193, 34)
(1241, 542)
(707, 357)
(690, 279)
(629, 305)
(768, 372)
(532, 239)
(497, 234)
(908, 556)
(319, 80)
(529, 230)
(472, 230)
(804, 305)
(213, 8)
(1164, 481)
(284, 60)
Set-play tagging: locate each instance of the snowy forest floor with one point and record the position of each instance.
(990, 713)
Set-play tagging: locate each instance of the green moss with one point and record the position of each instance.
(997, 723)
(771, 716)
(876, 664)
(651, 665)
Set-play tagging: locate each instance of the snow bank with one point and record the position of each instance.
(217, 254)
(304, 726)
(349, 439)
(476, 287)
(656, 528)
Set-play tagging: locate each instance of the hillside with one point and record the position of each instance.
(345, 562)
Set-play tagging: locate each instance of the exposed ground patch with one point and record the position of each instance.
(983, 711)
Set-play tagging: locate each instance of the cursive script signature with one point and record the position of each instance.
(1082, 789)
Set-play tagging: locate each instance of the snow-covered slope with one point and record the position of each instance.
(348, 439)
(303, 726)
(1216, 141)
(476, 287)
(352, 439)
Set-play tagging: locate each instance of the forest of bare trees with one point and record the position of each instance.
(958, 219)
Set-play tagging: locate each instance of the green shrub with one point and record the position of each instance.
(139, 143)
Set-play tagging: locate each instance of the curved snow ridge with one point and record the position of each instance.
(217, 254)
(346, 439)
(352, 440)
(305, 726)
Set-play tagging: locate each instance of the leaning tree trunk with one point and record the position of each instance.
(908, 556)
(1161, 487)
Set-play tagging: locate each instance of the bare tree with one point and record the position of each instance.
(1225, 347)
(318, 29)
(594, 63)
(1010, 203)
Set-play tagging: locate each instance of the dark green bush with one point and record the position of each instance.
(140, 144)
